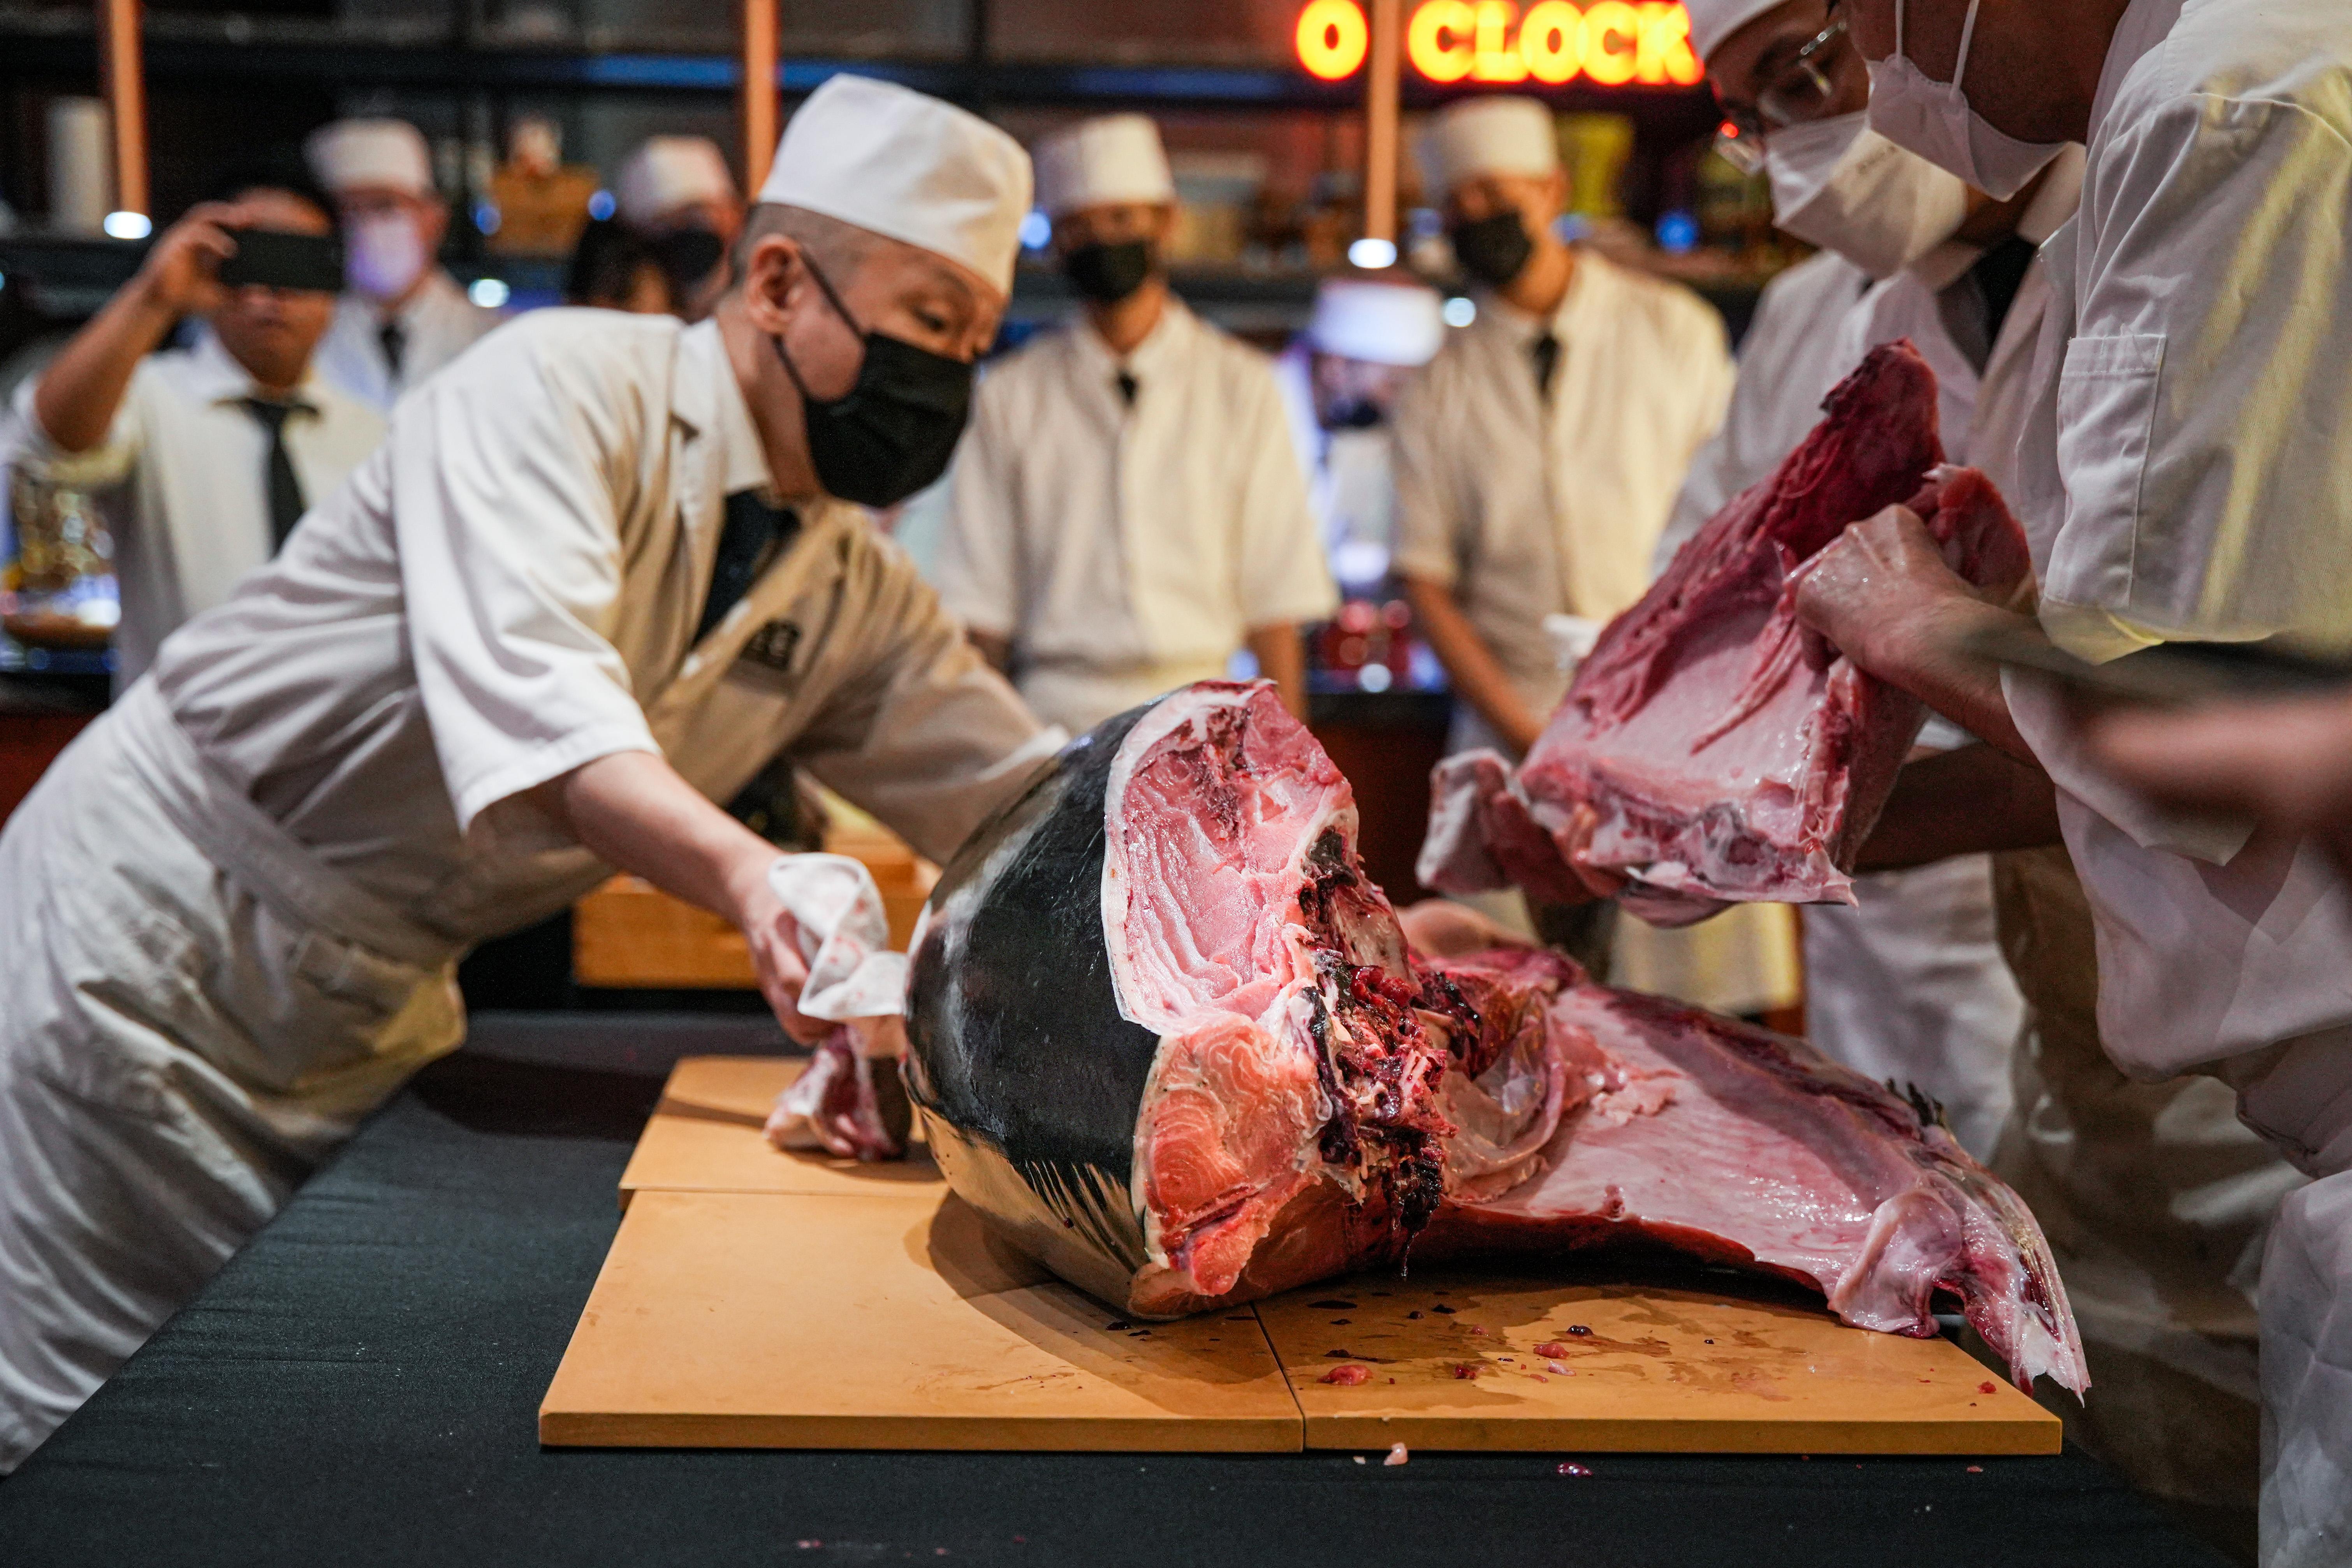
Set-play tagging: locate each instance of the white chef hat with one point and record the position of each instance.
(1712, 22)
(1488, 136)
(890, 160)
(669, 172)
(1379, 323)
(1115, 158)
(351, 154)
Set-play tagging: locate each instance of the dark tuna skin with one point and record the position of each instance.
(1013, 954)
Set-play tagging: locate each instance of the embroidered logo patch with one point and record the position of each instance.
(772, 645)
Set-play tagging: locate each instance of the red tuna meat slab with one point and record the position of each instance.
(1711, 750)
(1167, 1035)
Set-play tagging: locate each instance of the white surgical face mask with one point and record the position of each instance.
(383, 254)
(1933, 119)
(1841, 186)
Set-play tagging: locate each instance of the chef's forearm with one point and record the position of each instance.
(1282, 658)
(633, 811)
(1968, 801)
(1478, 680)
(1928, 657)
(80, 392)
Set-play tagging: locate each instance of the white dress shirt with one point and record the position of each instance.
(509, 588)
(1128, 549)
(436, 326)
(196, 465)
(1528, 507)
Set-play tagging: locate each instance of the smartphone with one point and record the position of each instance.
(2176, 674)
(276, 259)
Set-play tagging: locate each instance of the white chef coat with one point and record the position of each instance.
(2183, 476)
(196, 463)
(1350, 474)
(440, 322)
(1527, 509)
(1126, 551)
(230, 916)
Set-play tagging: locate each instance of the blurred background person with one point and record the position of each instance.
(613, 269)
(1539, 453)
(678, 196)
(1127, 511)
(223, 446)
(1339, 381)
(403, 317)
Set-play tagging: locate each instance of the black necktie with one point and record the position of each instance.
(1128, 387)
(394, 339)
(753, 530)
(1546, 351)
(286, 504)
(2000, 274)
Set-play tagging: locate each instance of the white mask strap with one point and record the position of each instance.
(1967, 42)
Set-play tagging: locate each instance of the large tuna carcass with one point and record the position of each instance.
(1168, 1036)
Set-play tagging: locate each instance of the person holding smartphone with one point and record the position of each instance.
(223, 444)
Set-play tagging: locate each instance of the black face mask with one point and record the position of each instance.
(1109, 273)
(893, 432)
(1353, 414)
(1494, 251)
(686, 257)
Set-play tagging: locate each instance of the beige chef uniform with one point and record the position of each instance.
(196, 463)
(230, 916)
(1125, 523)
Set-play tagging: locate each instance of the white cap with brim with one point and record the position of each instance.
(1713, 22)
(1380, 324)
(891, 161)
(666, 172)
(1489, 136)
(1115, 158)
(372, 155)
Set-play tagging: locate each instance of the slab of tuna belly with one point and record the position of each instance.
(1710, 750)
(1166, 1034)
(1726, 1143)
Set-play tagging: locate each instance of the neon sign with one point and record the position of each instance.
(1610, 43)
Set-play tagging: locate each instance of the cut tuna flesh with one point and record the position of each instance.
(1165, 1033)
(1710, 750)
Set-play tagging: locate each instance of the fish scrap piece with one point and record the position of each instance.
(1168, 1037)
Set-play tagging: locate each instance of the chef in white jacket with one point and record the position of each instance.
(599, 576)
(1916, 984)
(404, 317)
(2179, 478)
(1127, 513)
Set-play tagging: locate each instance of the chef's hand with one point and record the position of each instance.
(2287, 763)
(774, 938)
(182, 273)
(1881, 593)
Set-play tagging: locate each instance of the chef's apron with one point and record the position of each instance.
(1909, 986)
(2156, 1201)
(194, 1012)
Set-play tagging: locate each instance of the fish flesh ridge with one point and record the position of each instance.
(1711, 749)
(1165, 1033)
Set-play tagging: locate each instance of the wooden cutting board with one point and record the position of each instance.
(755, 1298)
(743, 1320)
(1453, 1363)
(706, 1136)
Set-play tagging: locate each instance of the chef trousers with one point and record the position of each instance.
(193, 1013)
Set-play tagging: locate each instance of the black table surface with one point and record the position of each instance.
(360, 1385)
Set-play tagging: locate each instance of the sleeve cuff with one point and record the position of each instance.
(547, 761)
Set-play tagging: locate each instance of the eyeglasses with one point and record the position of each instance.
(1800, 90)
